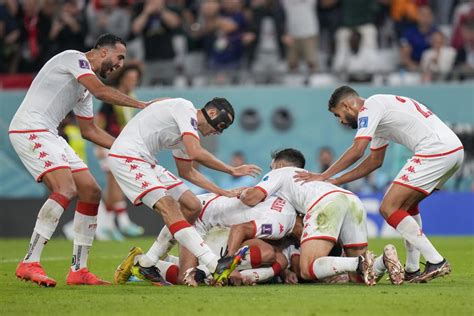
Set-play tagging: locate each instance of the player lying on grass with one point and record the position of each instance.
(173, 124)
(331, 214)
(438, 154)
(66, 83)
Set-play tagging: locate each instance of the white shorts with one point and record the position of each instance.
(425, 173)
(42, 151)
(144, 183)
(337, 217)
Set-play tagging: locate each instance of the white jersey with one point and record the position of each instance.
(159, 126)
(221, 211)
(385, 117)
(55, 92)
(302, 196)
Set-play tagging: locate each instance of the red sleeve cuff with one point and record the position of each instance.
(363, 137)
(379, 148)
(84, 117)
(190, 134)
(263, 190)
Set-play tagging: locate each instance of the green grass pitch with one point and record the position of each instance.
(452, 295)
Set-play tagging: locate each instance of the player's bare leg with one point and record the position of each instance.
(187, 267)
(63, 189)
(85, 224)
(260, 254)
(315, 263)
(396, 201)
(253, 276)
(238, 234)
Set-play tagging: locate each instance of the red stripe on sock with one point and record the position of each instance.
(396, 218)
(60, 199)
(177, 226)
(172, 274)
(311, 271)
(276, 268)
(414, 210)
(120, 210)
(358, 279)
(255, 257)
(89, 209)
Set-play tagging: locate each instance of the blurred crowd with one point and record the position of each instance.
(198, 42)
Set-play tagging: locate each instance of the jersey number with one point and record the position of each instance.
(426, 113)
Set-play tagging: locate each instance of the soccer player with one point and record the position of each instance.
(331, 214)
(172, 124)
(66, 83)
(438, 154)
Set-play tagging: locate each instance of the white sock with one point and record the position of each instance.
(80, 254)
(190, 239)
(258, 275)
(413, 254)
(123, 219)
(252, 259)
(168, 270)
(35, 249)
(172, 259)
(379, 266)
(328, 266)
(144, 261)
(410, 230)
(162, 245)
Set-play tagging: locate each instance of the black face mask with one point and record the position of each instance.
(222, 120)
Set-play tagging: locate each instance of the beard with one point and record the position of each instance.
(104, 68)
(352, 122)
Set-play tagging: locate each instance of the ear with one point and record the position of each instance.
(103, 52)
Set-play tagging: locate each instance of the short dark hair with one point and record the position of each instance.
(123, 71)
(339, 94)
(293, 156)
(108, 39)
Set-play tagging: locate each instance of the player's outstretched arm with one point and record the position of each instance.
(369, 164)
(252, 196)
(108, 94)
(187, 171)
(354, 153)
(201, 155)
(93, 133)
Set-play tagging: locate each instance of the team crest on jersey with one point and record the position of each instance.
(194, 123)
(84, 64)
(266, 229)
(363, 122)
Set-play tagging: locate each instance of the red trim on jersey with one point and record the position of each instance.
(439, 155)
(363, 137)
(89, 209)
(311, 271)
(255, 257)
(174, 185)
(396, 217)
(83, 75)
(79, 170)
(276, 268)
(139, 197)
(379, 148)
(126, 157)
(206, 205)
(333, 191)
(328, 238)
(172, 274)
(27, 131)
(60, 199)
(412, 187)
(88, 118)
(190, 134)
(177, 226)
(254, 228)
(40, 177)
(263, 190)
(295, 254)
(183, 159)
(364, 244)
(414, 210)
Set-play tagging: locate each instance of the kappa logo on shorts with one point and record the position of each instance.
(363, 122)
(84, 64)
(194, 123)
(267, 229)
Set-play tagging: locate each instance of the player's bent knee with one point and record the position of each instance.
(166, 206)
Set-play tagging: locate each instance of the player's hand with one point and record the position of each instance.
(238, 191)
(332, 181)
(157, 100)
(246, 170)
(228, 193)
(290, 277)
(305, 177)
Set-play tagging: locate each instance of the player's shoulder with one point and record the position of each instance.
(285, 171)
(378, 100)
(183, 103)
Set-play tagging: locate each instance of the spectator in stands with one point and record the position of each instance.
(230, 182)
(438, 61)
(359, 15)
(156, 22)
(462, 14)
(404, 14)
(416, 39)
(105, 16)
(325, 158)
(465, 54)
(9, 37)
(302, 29)
(329, 16)
(359, 63)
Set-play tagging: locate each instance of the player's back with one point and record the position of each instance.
(410, 123)
(54, 92)
(157, 127)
